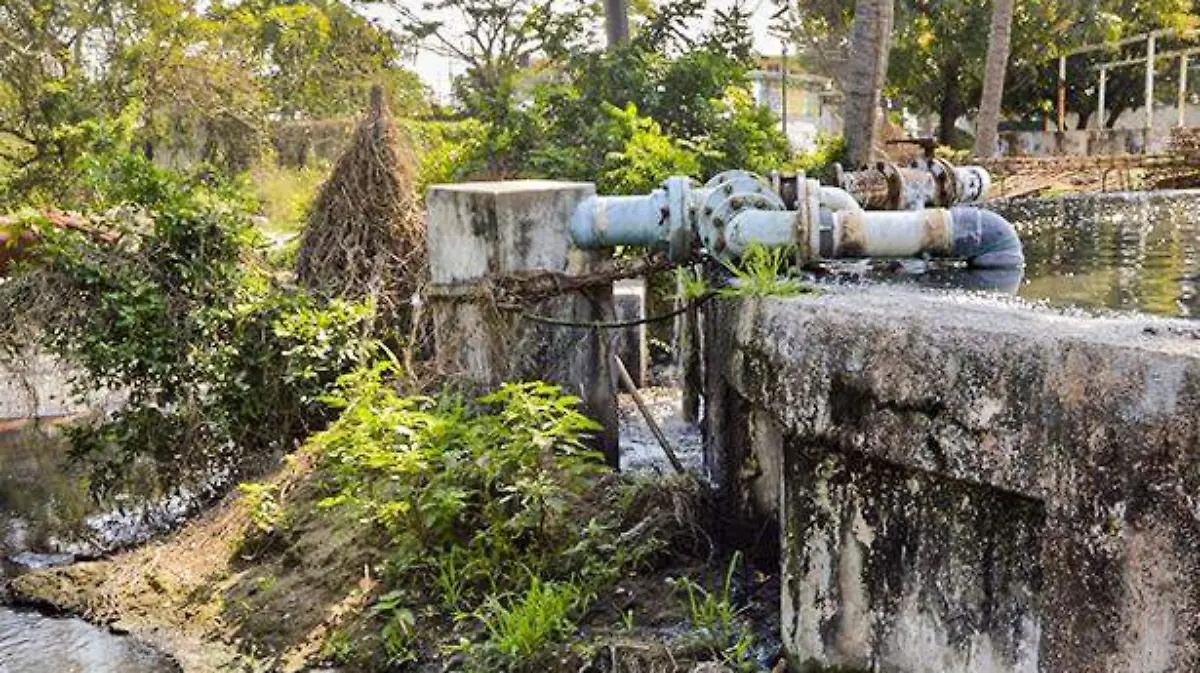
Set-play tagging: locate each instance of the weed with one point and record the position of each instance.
(691, 284)
(261, 501)
(520, 628)
(762, 272)
(716, 619)
(337, 648)
(284, 194)
(397, 632)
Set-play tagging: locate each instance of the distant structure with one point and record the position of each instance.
(813, 102)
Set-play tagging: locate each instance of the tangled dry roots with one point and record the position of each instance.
(365, 236)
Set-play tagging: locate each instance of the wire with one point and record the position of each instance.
(546, 320)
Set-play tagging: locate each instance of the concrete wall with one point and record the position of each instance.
(1082, 143)
(966, 484)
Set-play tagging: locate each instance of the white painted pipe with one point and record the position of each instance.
(892, 233)
(838, 199)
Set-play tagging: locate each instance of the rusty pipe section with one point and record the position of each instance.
(926, 183)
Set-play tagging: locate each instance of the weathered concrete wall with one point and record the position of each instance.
(478, 231)
(1082, 143)
(966, 484)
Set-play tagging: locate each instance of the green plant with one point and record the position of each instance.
(762, 272)
(397, 631)
(716, 619)
(261, 500)
(284, 194)
(337, 648)
(154, 295)
(519, 628)
(647, 157)
(691, 283)
(818, 161)
(480, 507)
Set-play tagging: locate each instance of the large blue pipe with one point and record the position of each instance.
(985, 239)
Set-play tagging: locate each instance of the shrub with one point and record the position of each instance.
(160, 296)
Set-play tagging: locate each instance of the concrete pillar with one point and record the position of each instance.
(629, 298)
(1150, 82)
(1062, 94)
(1103, 89)
(1181, 103)
(483, 229)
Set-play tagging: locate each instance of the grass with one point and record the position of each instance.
(520, 628)
(285, 194)
(762, 272)
(715, 619)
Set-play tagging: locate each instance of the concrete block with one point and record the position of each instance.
(968, 483)
(485, 229)
(629, 300)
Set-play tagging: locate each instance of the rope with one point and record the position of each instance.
(547, 320)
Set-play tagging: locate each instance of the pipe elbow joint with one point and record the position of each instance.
(985, 239)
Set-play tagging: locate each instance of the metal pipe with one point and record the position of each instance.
(985, 239)
(737, 210)
(1181, 102)
(836, 198)
(1062, 94)
(607, 221)
(1150, 82)
(1103, 89)
(982, 238)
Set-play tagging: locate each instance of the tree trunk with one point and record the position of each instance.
(950, 106)
(616, 21)
(993, 79)
(866, 75)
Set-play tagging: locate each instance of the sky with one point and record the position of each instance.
(438, 71)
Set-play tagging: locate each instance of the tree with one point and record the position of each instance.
(314, 58)
(496, 39)
(866, 76)
(993, 78)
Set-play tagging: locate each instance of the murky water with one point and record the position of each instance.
(1129, 252)
(32, 643)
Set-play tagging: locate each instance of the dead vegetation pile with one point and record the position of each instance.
(365, 237)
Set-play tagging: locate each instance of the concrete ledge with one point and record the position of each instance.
(964, 483)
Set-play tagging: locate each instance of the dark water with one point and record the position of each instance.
(31, 643)
(1136, 252)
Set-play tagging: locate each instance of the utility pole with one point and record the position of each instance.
(616, 21)
(783, 82)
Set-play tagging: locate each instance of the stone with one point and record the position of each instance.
(966, 483)
(629, 300)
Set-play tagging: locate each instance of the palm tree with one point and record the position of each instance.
(866, 73)
(616, 18)
(993, 79)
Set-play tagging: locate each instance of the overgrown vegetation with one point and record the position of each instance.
(495, 526)
(160, 294)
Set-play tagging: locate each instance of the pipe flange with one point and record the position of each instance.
(895, 185)
(726, 195)
(945, 181)
(681, 219)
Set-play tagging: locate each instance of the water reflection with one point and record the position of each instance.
(1131, 252)
(31, 643)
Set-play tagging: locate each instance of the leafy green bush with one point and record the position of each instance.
(160, 296)
(647, 158)
(816, 162)
(485, 508)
